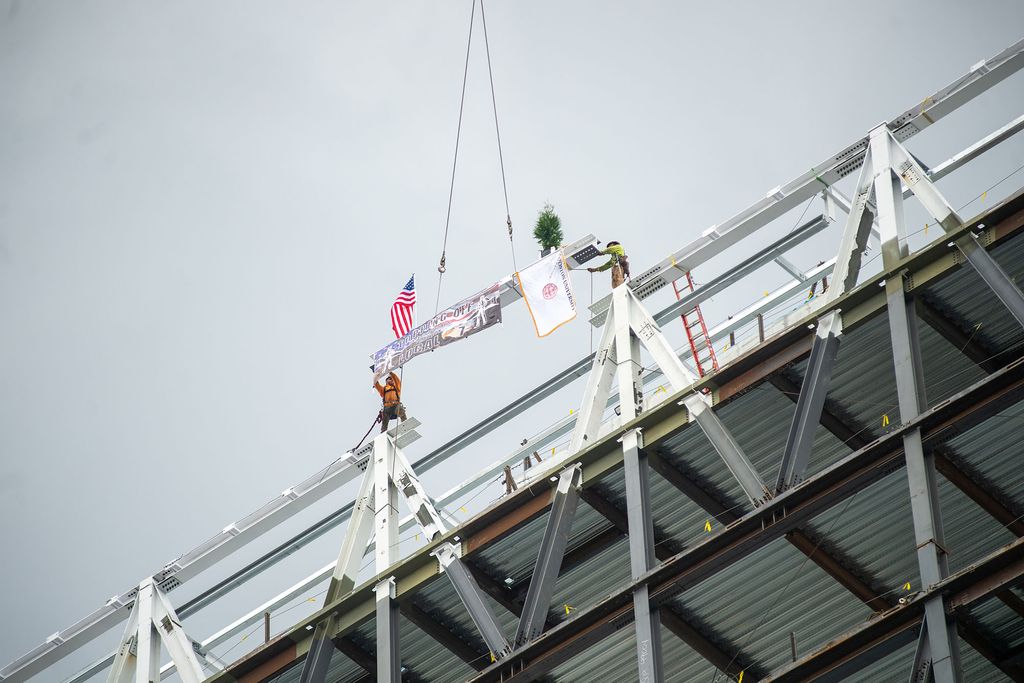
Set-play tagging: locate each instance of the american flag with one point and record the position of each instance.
(402, 309)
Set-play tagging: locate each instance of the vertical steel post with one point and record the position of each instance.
(385, 497)
(627, 357)
(147, 645)
(924, 500)
(549, 557)
(811, 401)
(343, 580)
(641, 557)
(389, 667)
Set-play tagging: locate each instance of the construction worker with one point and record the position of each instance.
(618, 263)
(391, 394)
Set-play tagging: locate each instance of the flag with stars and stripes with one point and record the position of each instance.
(402, 309)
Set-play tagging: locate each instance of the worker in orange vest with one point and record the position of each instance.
(391, 394)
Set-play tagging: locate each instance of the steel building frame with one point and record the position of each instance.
(888, 173)
(781, 516)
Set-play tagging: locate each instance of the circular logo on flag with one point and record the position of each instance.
(550, 291)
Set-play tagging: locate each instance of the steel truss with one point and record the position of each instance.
(152, 622)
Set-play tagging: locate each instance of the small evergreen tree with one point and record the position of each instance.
(548, 230)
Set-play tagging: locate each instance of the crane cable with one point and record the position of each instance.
(458, 135)
(497, 134)
(441, 267)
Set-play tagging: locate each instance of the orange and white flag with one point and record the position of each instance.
(548, 292)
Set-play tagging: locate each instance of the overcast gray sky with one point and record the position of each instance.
(206, 209)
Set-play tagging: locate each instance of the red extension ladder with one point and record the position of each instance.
(697, 333)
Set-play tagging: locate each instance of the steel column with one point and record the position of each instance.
(627, 357)
(385, 500)
(346, 571)
(810, 402)
(549, 558)
(641, 558)
(147, 643)
(389, 667)
(924, 501)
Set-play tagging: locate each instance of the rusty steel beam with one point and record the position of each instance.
(715, 654)
(827, 559)
(1010, 599)
(444, 637)
(838, 569)
(665, 546)
(983, 645)
(741, 375)
(967, 343)
(700, 492)
(979, 491)
(893, 629)
(501, 593)
(363, 659)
